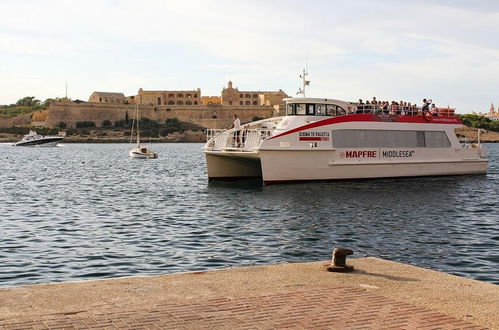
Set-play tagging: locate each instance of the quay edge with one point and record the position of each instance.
(455, 297)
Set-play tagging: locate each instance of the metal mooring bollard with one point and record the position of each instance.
(339, 262)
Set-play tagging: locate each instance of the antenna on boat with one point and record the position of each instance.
(303, 77)
(305, 82)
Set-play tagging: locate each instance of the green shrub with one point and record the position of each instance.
(106, 124)
(71, 131)
(85, 124)
(62, 125)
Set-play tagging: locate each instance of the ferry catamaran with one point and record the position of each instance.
(327, 139)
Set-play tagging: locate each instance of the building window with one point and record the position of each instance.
(188, 103)
(171, 103)
(180, 102)
(188, 96)
(241, 96)
(230, 102)
(100, 99)
(247, 103)
(159, 100)
(248, 96)
(241, 103)
(195, 102)
(180, 95)
(171, 95)
(195, 95)
(254, 103)
(255, 96)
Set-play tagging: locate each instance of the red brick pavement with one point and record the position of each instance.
(323, 308)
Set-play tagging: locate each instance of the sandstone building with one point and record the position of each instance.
(234, 97)
(185, 97)
(106, 97)
(211, 100)
(186, 105)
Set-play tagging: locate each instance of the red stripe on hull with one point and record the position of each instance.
(311, 138)
(375, 118)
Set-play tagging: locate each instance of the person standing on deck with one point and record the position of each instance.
(236, 125)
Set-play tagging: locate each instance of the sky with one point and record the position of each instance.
(446, 50)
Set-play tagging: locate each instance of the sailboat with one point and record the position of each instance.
(139, 151)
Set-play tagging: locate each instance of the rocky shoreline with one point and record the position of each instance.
(185, 137)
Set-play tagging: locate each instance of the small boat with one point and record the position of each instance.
(140, 152)
(33, 139)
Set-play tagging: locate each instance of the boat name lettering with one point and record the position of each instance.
(313, 136)
(397, 153)
(313, 133)
(361, 154)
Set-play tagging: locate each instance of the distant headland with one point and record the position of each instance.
(166, 115)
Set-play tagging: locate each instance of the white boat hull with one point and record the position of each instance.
(281, 167)
(138, 154)
(39, 143)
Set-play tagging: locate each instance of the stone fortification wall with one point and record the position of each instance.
(207, 116)
(16, 121)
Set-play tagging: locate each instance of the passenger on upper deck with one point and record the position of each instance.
(425, 107)
(433, 110)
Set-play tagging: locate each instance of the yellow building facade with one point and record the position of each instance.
(183, 97)
(234, 97)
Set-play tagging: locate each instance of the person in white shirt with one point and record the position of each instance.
(236, 125)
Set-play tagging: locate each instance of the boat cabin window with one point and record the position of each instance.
(300, 109)
(359, 138)
(334, 110)
(320, 109)
(311, 109)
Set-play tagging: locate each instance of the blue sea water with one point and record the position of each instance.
(87, 211)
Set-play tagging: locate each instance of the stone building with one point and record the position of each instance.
(211, 100)
(234, 97)
(492, 114)
(106, 97)
(185, 97)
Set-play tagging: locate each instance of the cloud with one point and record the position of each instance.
(388, 48)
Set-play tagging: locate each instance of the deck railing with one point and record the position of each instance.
(243, 140)
(404, 110)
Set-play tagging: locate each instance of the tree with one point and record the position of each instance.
(28, 101)
(62, 125)
(47, 102)
(106, 124)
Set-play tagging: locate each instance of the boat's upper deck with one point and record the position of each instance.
(331, 107)
(310, 113)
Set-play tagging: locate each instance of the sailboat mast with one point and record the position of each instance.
(138, 129)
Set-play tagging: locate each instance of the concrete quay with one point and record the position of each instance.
(379, 294)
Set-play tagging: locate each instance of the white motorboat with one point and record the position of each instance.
(327, 139)
(140, 152)
(33, 139)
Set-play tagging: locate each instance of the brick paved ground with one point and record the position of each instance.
(326, 308)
